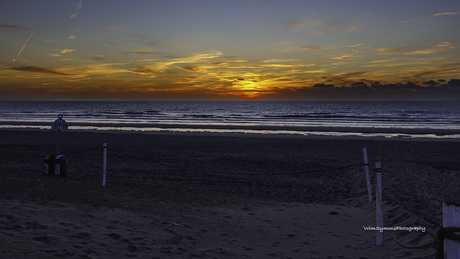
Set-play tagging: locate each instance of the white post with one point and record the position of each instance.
(104, 163)
(451, 218)
(366, 169)
(378, 201)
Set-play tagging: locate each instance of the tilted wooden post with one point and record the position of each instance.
(451, 218)
(366, 170)
(378, 201)
(104, 163)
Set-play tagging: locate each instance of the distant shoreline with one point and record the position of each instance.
(313, 131)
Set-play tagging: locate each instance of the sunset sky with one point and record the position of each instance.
(230, 50)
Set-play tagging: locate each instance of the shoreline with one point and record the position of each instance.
(203, 133)
(312, 131)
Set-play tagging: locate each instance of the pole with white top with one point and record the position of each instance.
(104, 163)
(59, 125)
(378, 201)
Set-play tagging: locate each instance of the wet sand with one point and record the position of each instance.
(188, 195)
(244, 127)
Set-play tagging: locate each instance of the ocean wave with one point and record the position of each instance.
(200, 115)
(346, 114)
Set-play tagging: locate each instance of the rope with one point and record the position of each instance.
(373, 176)
(312, 171)
(428, 244)
(437, 242)
(203, 180)
(214, 172)
(207, 180)
(378, 201)
(162, 164)
(71, 153)
(84, 151)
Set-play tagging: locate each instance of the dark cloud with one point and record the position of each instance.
(12, 26)
(323, 86)
(360, 85)
(375, 91)
(432, 83)
(398, 87)
(454, 83)
(39, 70)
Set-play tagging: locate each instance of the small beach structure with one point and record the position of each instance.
(57, 165)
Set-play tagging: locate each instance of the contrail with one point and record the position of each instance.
(20, 51)
(25, 44)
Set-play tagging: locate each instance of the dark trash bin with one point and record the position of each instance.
(49, 163)
(61, 166)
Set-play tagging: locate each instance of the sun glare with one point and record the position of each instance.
(250, 89)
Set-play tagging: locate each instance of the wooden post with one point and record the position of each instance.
(451, 218)
(366, 169)
(104, 163)
(378, 201)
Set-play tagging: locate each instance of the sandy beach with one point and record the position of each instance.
(202, 195)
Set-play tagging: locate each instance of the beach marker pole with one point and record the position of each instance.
(366, 169)
(104, 163)
(451, 218)
(378, 201)
(59, 125)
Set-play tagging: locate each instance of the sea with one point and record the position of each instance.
(385, 119)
